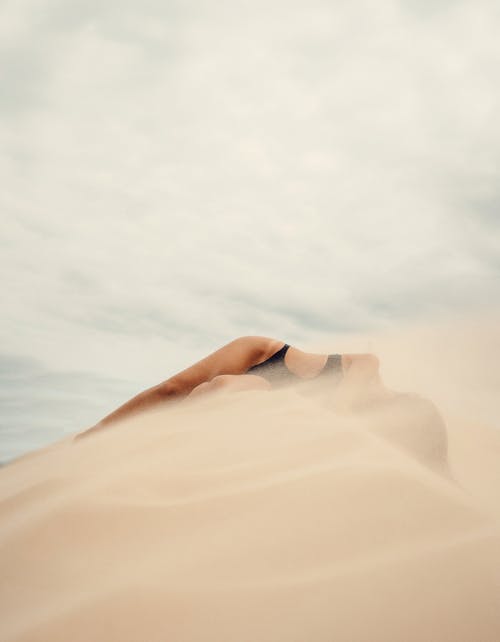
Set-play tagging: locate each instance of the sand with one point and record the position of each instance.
(258, 516)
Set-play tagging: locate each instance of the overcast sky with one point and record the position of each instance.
(176, 174)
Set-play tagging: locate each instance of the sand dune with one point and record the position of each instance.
(257, 516)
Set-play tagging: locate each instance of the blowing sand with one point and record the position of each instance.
(269, 516)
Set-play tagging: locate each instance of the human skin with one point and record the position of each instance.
(226, 367)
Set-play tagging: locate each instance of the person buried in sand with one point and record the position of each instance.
(261, 363)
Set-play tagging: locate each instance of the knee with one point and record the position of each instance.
(200, 389)
(217, 383)
(220, 381)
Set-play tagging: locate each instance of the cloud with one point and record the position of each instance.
(176, 175)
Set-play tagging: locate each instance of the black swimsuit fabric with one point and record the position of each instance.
(275, 370)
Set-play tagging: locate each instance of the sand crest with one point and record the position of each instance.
(255, 516)
(272, 516)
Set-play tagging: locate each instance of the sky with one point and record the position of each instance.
(177, 174)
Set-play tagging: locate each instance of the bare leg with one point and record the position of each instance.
(232, 359)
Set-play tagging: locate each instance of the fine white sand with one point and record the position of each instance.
(268, 516)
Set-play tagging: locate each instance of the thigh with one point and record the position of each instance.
(232, 359)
